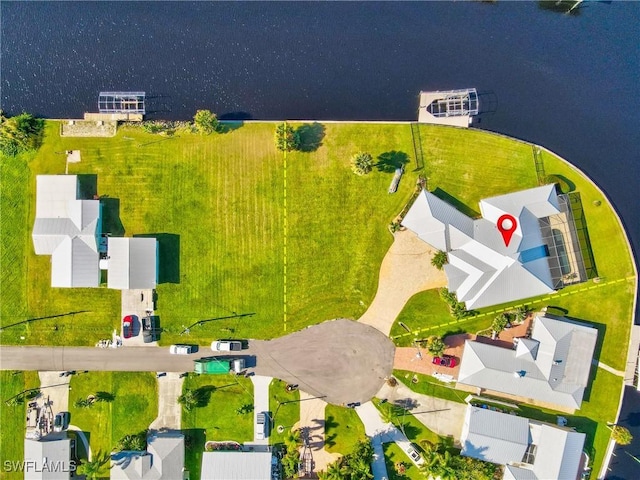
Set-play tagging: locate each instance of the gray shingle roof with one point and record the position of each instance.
(555, 363)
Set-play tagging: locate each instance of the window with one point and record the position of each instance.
(530, 454)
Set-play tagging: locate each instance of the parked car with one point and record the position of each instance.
(127, 326)
(61, 421)
(415, 456)
(148, 329)
(445, 361)
(226, 346)
(181, 349)
(262, 426)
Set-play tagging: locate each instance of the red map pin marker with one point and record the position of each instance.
(507, 224)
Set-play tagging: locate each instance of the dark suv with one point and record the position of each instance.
(148, 329)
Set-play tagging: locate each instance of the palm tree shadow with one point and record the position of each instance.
(389, 162)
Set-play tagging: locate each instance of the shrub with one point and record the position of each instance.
(20, 133)
(206, 122)
(286, 138)
(439, 259)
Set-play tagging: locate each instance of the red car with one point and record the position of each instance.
(127, 326)
(445, 361)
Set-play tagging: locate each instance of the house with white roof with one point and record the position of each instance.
(483, 269)
(48, 458)
(237, 465)
(529, 450)
(163, 459)
(69, 229)
(551, 367)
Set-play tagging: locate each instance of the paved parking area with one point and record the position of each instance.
(136, 302)
(56, 389)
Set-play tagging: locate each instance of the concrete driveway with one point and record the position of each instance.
(136, 302)
(341, 360)
(443, 417)
(169, 410)
(56, 389)
(406, 270)
(260, 403)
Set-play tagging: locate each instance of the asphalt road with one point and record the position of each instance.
(341, 360)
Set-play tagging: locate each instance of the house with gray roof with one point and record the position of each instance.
(132, 263)
(529, 450)
(550, 367)
(68, 229)
(48, 458)
(236, 465)
(163, 459)
(482, 268)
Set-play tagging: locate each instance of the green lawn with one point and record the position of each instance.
(12, 418)
(428, 385)
(466, 165)
(285, 410)
(217, 419)
(393, 454)
(343, 429)
(217, 205)
(133, 409)
(413, 428)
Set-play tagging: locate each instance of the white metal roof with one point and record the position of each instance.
(494, 437)
(66, 228)
(57, 453)
(503, 438)
(488, 272)
(236, 466)
(553, 366)
(164, 459)
(132, 263)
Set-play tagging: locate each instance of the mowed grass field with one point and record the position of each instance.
(12, 419)
(132, 410)
(217, 205)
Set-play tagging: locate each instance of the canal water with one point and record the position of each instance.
(569, 83)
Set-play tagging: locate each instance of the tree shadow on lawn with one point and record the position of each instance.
(203, 395)
(451, 200)
(168, 256)
(311, 136)
(388, 162)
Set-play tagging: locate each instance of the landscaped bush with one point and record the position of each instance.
(20, 133)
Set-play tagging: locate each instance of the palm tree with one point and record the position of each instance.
(435, 346)
(104, 397)
(292, 440)
(188, 400)
(94, 468)
(621, 435)
(361, 163)
(82, 403)
(439, 259)
(336, 471)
